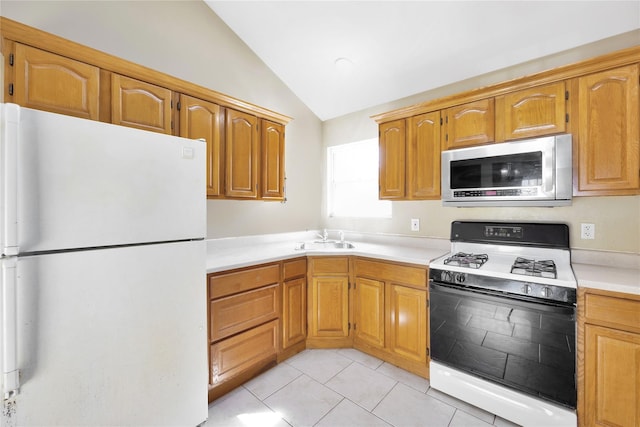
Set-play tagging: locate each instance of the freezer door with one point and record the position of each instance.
(76, 183)
(112, 337)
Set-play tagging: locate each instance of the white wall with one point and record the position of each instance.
(617, 219)
(187, 40)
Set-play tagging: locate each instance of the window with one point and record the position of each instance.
(352, 173)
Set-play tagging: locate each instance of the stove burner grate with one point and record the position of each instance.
(462, 259)
(530, 267)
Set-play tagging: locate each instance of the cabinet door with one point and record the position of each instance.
(608, 132)
(612, 377)
(140, 105)
(533, 112)
(202, 119)
(369, 311)
(45, 81)
(294, 311)
(469, 124)
(241, 155)
(423, 156)
(329, 306)
(392, 160)
(408, 322)
(233, 356)
(272, 165)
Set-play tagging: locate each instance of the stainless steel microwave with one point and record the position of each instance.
(530, 172)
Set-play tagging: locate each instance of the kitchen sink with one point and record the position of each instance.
(320, 245)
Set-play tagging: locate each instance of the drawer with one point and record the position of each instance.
(612, 310)
(240, 281)
(240, 312)
(329, 265)
(294, 268)
(391, 272)
(234, 355)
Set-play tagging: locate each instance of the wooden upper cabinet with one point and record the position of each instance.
(532, 112)
(608, 150)
(392, 145)
(423, 156)
(272, 165)
(50, 82)
(140, 105)
(203, 120)
(241, 155)
(469, 124)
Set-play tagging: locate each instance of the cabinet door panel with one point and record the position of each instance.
(423, 156)
(330, 306)
(235, 355)
(202, 120)
(609, 150)
(392, 160)
(294, 312)
(272, 141)
(533, 112)
(612, 377)
(46, 81)
(369, 311)
(240, 312)
(470, 124)
(140, 105)
(408, 322)
(241, 155)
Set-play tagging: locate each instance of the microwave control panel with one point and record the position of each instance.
(507, 192)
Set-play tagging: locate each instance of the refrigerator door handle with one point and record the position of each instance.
(9, 180)
(10, 371)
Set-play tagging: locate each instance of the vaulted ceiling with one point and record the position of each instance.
(344, 56)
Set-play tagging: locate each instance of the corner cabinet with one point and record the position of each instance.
(608, 358)
(606, 144)
(328, 302)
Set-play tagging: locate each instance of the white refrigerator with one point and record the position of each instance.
(103, 285)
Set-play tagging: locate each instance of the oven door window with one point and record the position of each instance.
(527, 346)
(513, 170)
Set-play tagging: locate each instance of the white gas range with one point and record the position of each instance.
(502, 320)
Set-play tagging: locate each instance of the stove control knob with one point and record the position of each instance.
(547, 292)
(526, 289)
(461, 277)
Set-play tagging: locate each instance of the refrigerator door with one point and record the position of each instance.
(112, 337)
(74, 183)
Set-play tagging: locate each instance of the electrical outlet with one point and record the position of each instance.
(587, 231)
(415, 224)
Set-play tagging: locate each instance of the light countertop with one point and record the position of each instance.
(621, 274)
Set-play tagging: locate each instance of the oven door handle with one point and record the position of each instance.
(521, 300)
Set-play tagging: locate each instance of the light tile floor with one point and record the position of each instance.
(342, 387)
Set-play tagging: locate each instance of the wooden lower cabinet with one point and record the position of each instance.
(390, 313)
(251, 349)
(244, 325)
(294, 307)
(369, 313)
(608, 359)
(408, 322)
(328, 302)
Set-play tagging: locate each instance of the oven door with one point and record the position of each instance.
(517, 342)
